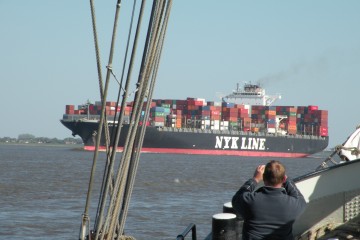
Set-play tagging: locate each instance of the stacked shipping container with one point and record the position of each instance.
(198, 113)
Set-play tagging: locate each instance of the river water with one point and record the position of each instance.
(43, 190)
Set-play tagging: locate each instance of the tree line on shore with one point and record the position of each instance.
(29, 138)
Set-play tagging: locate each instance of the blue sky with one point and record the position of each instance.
(309, 51)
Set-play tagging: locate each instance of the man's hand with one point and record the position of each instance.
(258, 175)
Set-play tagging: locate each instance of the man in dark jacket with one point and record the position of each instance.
(270, 211)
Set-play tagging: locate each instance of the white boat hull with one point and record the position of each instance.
(332, 196)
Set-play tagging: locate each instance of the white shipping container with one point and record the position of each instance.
(158, 124)
(271, 130)
(204, 126)
(215, 122)
(202, 100)
(205, 122)
(224, 123)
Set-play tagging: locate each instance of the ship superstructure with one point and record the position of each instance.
(251, 94)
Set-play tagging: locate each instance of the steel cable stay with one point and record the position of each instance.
(115, 192)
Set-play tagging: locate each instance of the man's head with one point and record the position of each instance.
(274, 174)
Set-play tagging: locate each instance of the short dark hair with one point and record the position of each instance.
(274, 173)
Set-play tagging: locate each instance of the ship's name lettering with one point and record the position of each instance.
(246, 143)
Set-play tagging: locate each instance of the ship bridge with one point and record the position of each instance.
(251, 94)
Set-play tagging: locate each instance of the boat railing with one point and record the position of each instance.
(234, 132)
(192, 228)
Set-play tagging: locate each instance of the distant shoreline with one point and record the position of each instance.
(80, 146)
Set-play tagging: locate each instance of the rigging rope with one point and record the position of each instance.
(108, 180)
(85, 218)
(142, 83)
(117, 101)
(122, 172)
(136, 152)
(116, 190)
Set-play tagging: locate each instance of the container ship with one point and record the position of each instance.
(244, 123)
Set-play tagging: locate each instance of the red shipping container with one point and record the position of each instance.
(246, 129)
(301, 109)
(322, 122)
(180, 102)
(323, 128)
(230, 114)
(246, 121)
(158, 119)
(110, 104)
(312, 107)
(291, 121)
(178, 112)
(79, 112)
(291, 127)
(243, 115)
(147, 123)
(270, 113)
(292, 131)
(323, 131)
(215, 113)
(243, 111)
(180, 107)
(205, 113)
(215, 117)
(70, 107)
(168, 101)
(231, 119)
(192, 107)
